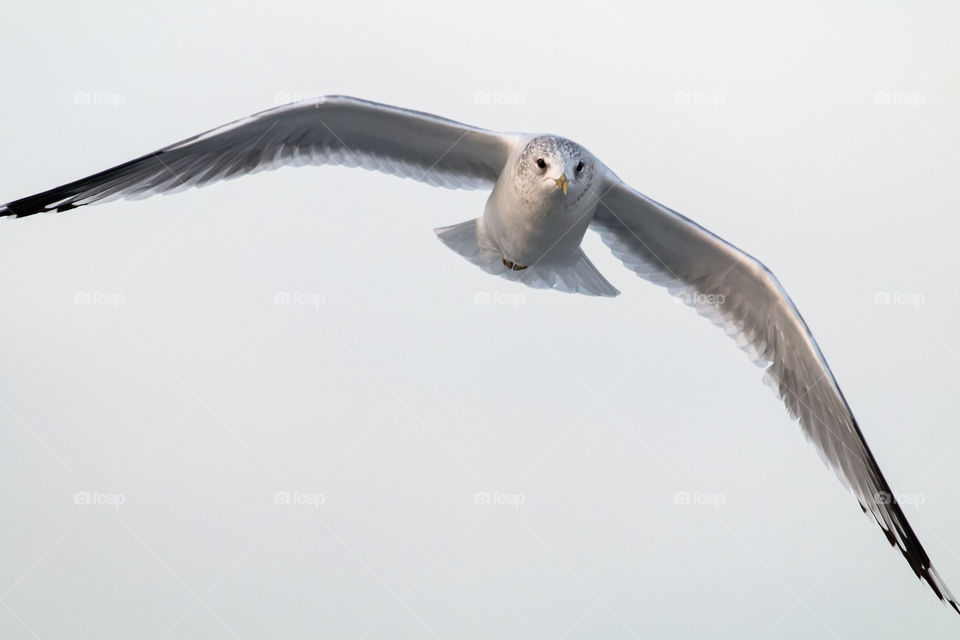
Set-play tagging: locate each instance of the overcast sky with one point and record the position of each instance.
(278, 407)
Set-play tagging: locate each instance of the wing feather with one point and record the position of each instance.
(740, 294)
(330, 130)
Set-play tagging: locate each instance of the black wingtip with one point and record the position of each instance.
(895, 526)
(20, 208)
(951, 603)
(64, 197)
(926, 573)
(32, 205)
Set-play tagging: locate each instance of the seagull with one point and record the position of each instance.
(545, 192)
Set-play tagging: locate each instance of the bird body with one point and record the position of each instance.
(535, 218)
(527, 216)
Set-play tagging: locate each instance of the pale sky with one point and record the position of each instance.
(384, 457)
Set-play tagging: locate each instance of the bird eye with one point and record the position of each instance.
(541, 163)
(580, 167)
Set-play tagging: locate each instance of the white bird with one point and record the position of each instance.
(546, 192)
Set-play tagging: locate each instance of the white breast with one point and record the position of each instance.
(528, 231)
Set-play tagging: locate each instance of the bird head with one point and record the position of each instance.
(555, 169)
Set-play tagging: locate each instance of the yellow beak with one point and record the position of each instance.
(562, 182)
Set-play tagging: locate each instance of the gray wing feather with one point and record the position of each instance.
(330, 130)
(740, 294)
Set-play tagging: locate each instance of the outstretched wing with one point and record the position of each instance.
(736, 291)
(330, 130)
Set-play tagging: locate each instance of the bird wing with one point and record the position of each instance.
(739, 293)
(328, 130)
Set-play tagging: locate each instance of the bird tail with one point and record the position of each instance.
(573, 274)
